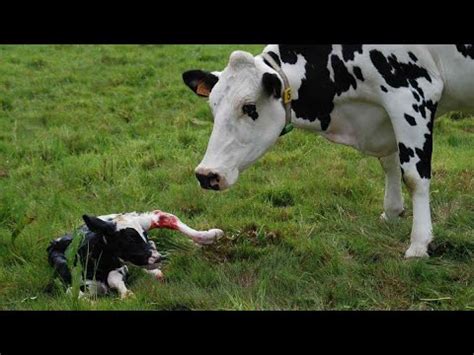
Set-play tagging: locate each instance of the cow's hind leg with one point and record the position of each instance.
(413, 126)
(393, 199)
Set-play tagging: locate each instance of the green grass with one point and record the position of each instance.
(102, 129)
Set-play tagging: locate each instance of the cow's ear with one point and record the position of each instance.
(272, 84)
(98, 225)
(201, 82)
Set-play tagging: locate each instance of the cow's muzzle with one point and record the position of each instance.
(210, 180)
(154, 258)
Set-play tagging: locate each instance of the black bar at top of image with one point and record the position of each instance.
(226, 24)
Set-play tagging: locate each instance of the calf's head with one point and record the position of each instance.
(125, 235)
(245, 99)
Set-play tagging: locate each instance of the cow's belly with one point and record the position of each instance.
(364, 126)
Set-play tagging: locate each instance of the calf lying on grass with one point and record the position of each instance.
(110, 240)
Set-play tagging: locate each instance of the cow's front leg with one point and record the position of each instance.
(393, 199)
(412, 121)
(116, 280)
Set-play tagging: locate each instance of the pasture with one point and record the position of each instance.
(103, 129)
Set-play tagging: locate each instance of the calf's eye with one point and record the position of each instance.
(251, 111)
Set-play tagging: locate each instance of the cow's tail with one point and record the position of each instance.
(57, 258)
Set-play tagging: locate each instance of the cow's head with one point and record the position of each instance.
(126, 236)
(245, 100)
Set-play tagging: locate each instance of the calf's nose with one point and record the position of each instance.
(208, 179)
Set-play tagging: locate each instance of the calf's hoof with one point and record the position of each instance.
(157, 274)
(127, 294)
(208, 237)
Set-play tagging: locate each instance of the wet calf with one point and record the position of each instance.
(109, 241)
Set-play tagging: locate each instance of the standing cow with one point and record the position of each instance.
(381, 100)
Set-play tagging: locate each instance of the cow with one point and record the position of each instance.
(380, 99)
(110, 240)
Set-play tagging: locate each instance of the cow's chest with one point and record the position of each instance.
(361, 125)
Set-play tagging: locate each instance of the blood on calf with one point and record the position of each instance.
(165, 220)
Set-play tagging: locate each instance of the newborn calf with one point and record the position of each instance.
(112, 239)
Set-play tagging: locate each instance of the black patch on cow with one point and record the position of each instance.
(467, 50)
(358, 73)
(433, 107)
(424, 165)
(412, 56)
(317, 91)
(410, 120)
(275, 58)
(429, 104)
(289, 53)
(251, 111)
(414, 84)
(416, 96)
(384, 89)
(405, 153)
(395, 73)
(349, 50)
(342, 78)
(272, 84)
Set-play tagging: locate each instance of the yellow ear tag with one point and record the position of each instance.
(287, 96)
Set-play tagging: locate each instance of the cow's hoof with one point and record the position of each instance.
(386, 217)
(383, 217)
(417, 251)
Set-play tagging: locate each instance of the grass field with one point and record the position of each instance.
(102, 129)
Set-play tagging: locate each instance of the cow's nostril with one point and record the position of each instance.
(208, 181)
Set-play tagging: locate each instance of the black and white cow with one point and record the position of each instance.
(110, 240)
(379, 99)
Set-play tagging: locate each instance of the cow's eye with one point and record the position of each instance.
(250, 110)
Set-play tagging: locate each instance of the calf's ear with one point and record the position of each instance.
(201, 82)
(98, 225)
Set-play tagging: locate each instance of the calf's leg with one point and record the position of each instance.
(167, 220)
(116, 280)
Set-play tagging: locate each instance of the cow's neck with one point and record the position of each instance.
(315, 92)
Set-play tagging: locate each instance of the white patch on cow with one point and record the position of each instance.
(350, 126)
(115, 279)
(393, 199)
(337, 50)
(237, 140)
(139, 221)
